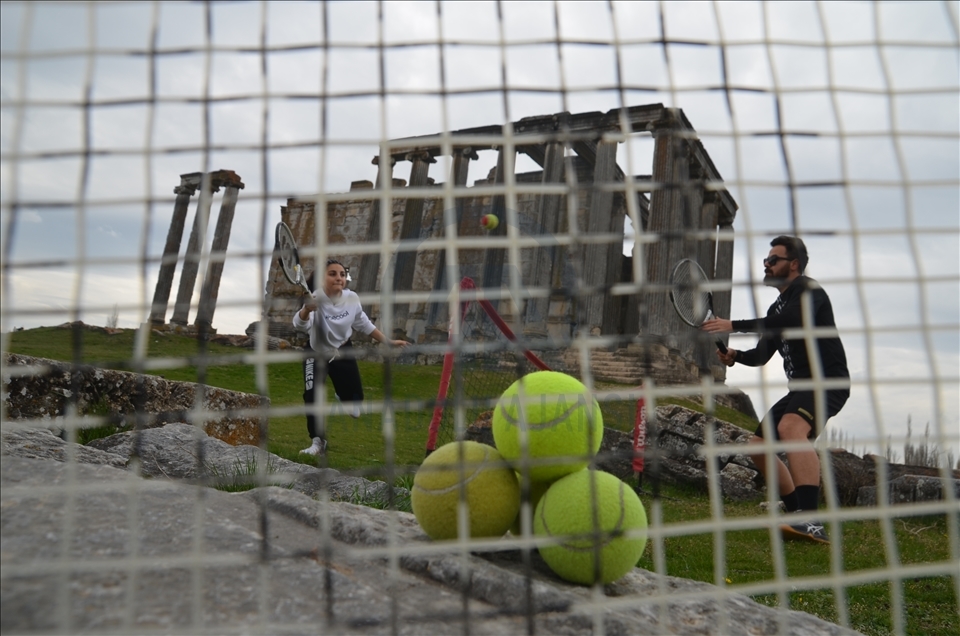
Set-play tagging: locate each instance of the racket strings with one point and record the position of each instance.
(289, 256)
(690, 296)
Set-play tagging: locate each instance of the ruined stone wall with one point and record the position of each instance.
(126, 400)
(686, 211)
(347, 224)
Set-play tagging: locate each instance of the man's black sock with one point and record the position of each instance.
(808, 497)
(790, 501)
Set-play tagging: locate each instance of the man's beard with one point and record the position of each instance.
(773, 281)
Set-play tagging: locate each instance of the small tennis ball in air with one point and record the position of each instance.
(560, 419)
(591, 513)
(492, 491)
(489, 221)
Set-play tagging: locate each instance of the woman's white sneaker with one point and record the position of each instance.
(319, 447)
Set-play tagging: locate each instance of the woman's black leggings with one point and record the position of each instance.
(345, 375)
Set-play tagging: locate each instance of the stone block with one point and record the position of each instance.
(736, 482)
(908, 489)
(131, 552)
(867, 496)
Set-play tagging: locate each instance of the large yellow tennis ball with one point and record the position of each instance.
(491, 488)
(561, 420)
(592, 513)
(489, 222)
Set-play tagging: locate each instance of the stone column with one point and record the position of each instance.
(632, 314)
(410, 231)
(439, 311)
(191, 261)
(723, 273)
(695, 344)
(545, 258)
(706, 256)
(597, 272)
(218, 251)
(493, 257)
(707, 247)
(370, 263)
(168, 263)
(666, 221)
(724, 270)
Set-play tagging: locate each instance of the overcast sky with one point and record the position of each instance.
(877, 86)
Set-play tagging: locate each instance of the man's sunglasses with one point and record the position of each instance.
(773, 260)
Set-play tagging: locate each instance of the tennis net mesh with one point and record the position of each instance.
(610, 141)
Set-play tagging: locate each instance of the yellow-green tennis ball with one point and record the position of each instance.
(561, 419)
(585, 510)
(492, 491)
(489, 221)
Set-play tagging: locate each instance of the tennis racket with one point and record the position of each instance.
(691, 299)
(286, 250)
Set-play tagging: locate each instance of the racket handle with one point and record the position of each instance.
(722, 347)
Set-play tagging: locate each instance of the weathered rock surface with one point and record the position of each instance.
(855, 480)
(33, 443)
(182, 451)
(93, 548)
(41, 389)
(910, 489)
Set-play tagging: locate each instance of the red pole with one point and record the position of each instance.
(445, 375)
(639, 436)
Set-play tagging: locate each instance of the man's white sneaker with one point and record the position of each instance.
(319, 447)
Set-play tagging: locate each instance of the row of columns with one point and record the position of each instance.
(207, 184)
(685, 217)
(405, 265)
(678, 209)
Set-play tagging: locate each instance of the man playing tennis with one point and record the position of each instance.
(801, 415)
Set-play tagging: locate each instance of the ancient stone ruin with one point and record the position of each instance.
(207, 184)
(587, 286)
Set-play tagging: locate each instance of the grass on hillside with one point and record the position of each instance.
(357, 446)
(930, 603)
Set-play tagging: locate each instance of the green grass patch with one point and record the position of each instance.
(930, 603)
(358, 446)
(242, 475)
(381, 500)
(99, 409)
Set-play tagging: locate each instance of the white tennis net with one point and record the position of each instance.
(836, 123)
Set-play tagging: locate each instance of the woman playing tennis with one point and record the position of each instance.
(330, 316)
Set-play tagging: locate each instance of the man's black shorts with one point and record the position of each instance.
(803, 403)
